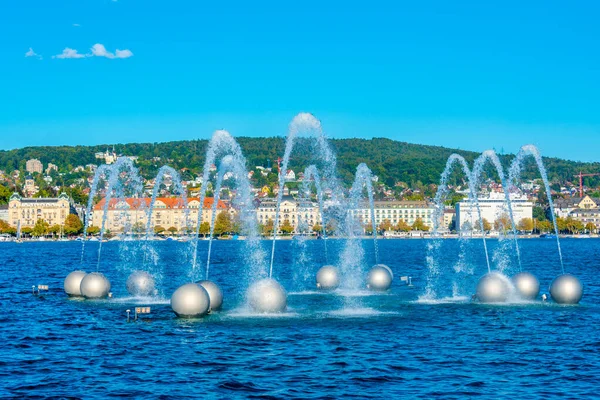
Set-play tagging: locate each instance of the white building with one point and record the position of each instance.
(492, 207)
(301, 214)
(394, 211)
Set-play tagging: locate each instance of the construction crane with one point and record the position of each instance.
(581, 175)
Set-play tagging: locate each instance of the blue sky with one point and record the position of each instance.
(466, 74)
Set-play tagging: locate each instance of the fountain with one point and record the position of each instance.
(567, 289)
(303, 122)
(440, 197)
(328, 276)
(380, 276)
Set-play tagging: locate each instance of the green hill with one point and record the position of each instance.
(392, 161)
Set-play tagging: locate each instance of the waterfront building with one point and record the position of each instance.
(34, 165)
(302, 214)
(565, 207)
(492, 208)
(169, 212)
(27, 211)
(395, 211)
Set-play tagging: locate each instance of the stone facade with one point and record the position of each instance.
(126, 214)
(27, 211)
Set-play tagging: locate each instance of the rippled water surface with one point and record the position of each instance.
(348, 344)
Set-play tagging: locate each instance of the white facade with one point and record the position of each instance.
(492, 208)
(301, 214)
(394, 211)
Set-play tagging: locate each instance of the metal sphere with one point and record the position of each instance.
(566, 289)
(72, 283)
(493, 288)
(328, 278)
(214, 293)
(190, 300)
(380, 278)
(141, 283)
(527, 285)
(95, 286)
(267, 296)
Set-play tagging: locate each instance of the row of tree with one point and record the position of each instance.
(72, 226)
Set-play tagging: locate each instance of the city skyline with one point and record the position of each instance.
(468, 75)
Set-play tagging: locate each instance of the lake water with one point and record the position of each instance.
(349, 344)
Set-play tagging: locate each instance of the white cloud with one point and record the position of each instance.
(98, 50)
(76, 25)
(69, 53)
(32, 53)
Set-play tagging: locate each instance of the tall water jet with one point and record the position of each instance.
(311, 175)
(220, 145)
(303, 122)
(101, 172)
(131, 179)
(352, 255)
(179, 190)
(440, 196)
(515, 176)
(480, 162)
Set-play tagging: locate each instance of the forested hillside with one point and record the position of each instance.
(392, 161)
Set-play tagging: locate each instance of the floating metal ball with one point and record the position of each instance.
(214, 293)
(527, 285)
(493, 288)
(190, 300)
(141, 283)
(267, 296)
(380, 278)
(328, 278)
(72, 283)
(566, 289)
(95, 286)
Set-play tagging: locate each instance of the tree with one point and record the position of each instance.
(222, 223)
(94, 230)
(525, 225)
(486, 225)
(158, 230)
(73, 225)
(590, 227)
(27, 230)
(402, 226)
(5, 228)
(204, 228)
(54, 230)
(317, 228)
(5, 194)
(172, 230)
(385, 225)
(544, 226)
(40, 228)
(502, 223)
(418, 225)
(267, 229)
(286, 228)
(137, 228)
